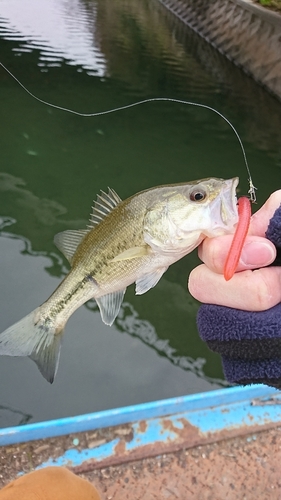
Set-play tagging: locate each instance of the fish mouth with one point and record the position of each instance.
(228, 206)
(224, 211)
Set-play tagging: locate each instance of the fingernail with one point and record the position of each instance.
(257, 254)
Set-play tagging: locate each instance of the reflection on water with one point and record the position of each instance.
(100, 367)
(46, 211)
(93, 55)
(60, 30)
(10, 417)
(128, 320)
(56, 267)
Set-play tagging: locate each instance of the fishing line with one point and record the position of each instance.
(252, 188)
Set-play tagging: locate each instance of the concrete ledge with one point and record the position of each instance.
(246, 33)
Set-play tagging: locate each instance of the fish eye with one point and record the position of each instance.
(197, 195)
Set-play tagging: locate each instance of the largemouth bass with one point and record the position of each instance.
(134, 240)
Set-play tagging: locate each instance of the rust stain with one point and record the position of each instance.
(142, 426)
(120, 448)
(188, 433)
(187, 437)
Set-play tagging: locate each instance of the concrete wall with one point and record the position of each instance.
(247, 34)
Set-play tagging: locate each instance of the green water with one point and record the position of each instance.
(99, 55)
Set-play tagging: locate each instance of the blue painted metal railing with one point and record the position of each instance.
(228, 407)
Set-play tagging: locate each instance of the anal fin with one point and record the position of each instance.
(109, 306)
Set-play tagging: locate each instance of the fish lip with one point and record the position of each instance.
(235, 182)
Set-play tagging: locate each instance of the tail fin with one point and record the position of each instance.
(37, 338)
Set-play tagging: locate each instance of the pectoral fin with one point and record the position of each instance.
(148, 281)
(109, 306)
(132, 253)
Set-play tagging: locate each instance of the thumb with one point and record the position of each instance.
(256, 252)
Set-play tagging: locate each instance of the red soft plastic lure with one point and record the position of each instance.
(233, 256)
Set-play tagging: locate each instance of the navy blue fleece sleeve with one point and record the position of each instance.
(249, 342)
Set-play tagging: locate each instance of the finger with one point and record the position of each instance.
(213, 252)
(260, 220)
(257, 252)
(249, 290)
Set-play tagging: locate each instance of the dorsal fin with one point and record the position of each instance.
(68, 241)
(103, 205)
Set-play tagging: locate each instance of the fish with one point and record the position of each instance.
(129, 241)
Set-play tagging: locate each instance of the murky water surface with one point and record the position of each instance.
(91, 56)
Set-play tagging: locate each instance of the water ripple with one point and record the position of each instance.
(61, 31)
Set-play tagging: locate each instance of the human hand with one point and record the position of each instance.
(253, 287)
(247, 333)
